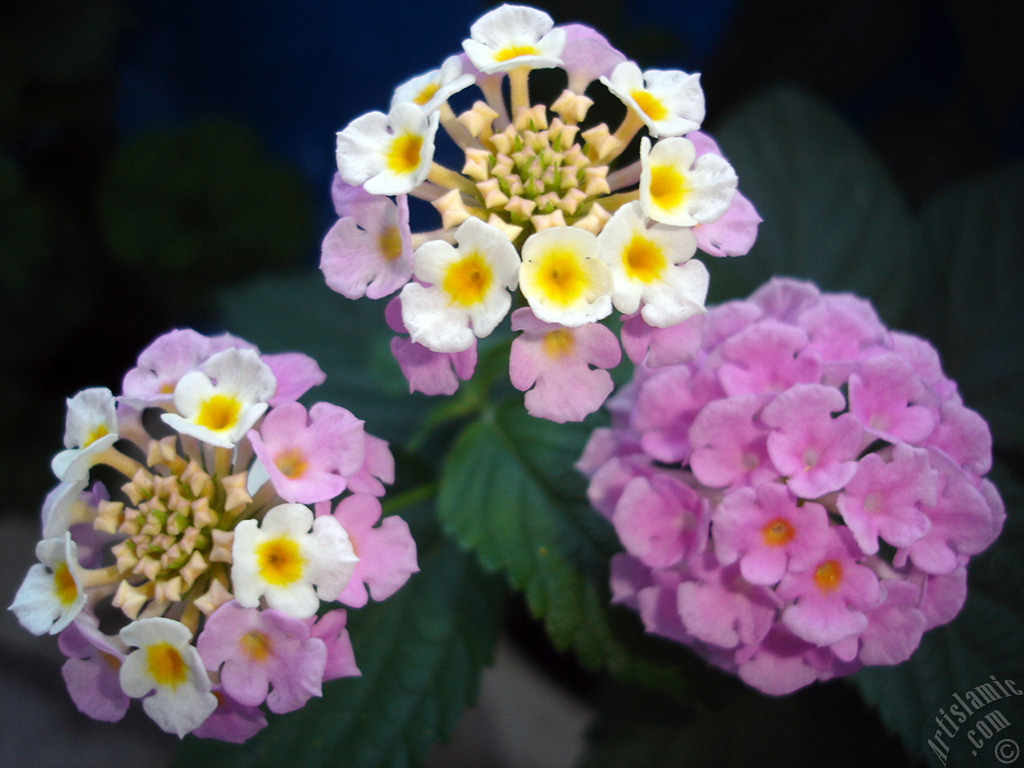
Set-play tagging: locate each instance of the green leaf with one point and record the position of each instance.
(349, 339)
(976, 234)
(831, 212)
(420, 652)
(987, 638)
(509, 492)
(204, 204)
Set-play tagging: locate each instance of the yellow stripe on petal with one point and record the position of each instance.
(559, 278)
(219, 412)
(280, 562)
(165, 665)
(64, 586)
(777, 533)
(100, 431)
(828, 575)
(650, 105)
(390, 243)
(514, 51)
(668, 187)
(468, 280)
(643, 259)
(558, 344)
(404, 154)
(292, 463)
(426, 94)
(256, 645)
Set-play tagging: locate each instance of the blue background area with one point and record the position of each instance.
(300, 71)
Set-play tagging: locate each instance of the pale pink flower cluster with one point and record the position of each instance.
(207, 515)
(799, 499)
(548, 220)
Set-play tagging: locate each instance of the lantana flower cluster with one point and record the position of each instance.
(202, 519)
(799, 499)
(547, 213)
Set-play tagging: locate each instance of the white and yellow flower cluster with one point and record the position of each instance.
(545, 213)
(213, 549)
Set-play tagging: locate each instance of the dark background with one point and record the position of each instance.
(154, 154)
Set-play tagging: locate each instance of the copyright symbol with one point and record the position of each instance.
(1007, 751)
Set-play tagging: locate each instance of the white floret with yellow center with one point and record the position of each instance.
(563, 279)
(223, 401)
(90, 428)
(430, 90)
(514, 36)
(676, 190)
(464, 291)
(651, 265)
(53, 592)
(388, 154)
(291, 560)
(168, 665)
(670, 102)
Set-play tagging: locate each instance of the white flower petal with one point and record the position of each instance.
(670, 102)
(676, 190)
(563, 279)
(282, 561)
(166, 663)
(51, 595)
(512, 36)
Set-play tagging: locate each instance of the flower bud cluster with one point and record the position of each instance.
(802, 497)
(201, 519)
(545, 214)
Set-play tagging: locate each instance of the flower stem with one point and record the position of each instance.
(449, 179)
(519, 83)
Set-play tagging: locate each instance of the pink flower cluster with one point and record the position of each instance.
(227, 515)
(799, 499)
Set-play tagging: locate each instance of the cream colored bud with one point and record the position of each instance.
(477, 162)
(222, 543)
(131, 599)
(237, 495)
(595, 219)
(546, 220)
(511, 230)
(572, 107)
(452, 209)
(491, 194)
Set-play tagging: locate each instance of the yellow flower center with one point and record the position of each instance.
(426, 94)
(643, 259)
(256, 646)
(404, 154)
(468, 280)
(390, 243)
(560, 278)
(668, 187)
(777, 533)
(219, 412)
(514, 51)
(292, 463)
(165, 664)
(96, 434)
(559, 343)
(828, 575)
(280, 562)
(64, 585)
(650, 105)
